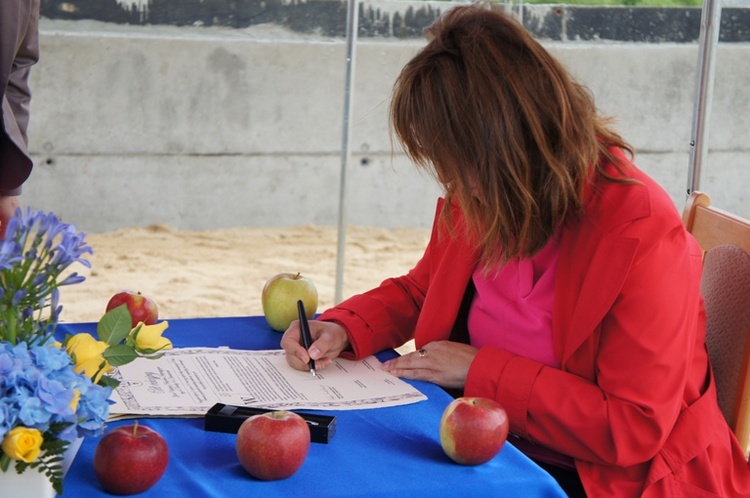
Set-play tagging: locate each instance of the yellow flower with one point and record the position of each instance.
(75, 400)
(84, 347)
(87, 354)
(93, 368)
(150, 337)
(22, 443)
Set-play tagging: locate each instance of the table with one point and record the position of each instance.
(389, 452)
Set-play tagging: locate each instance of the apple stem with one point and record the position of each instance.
(135, 428)
(296, 277)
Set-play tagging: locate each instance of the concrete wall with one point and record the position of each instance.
(217, 127)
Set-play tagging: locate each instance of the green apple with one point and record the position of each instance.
(280, 296)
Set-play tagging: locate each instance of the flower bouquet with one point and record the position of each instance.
(52, 393)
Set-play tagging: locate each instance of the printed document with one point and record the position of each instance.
(189, 381)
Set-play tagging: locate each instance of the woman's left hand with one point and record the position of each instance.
(445, 363)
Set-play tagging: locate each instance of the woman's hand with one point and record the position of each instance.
(8, 206)
(329, 340)
(445, 363)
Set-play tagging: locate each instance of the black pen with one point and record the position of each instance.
(305, 330)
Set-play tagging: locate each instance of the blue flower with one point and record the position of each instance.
(39, 387)
(19, 354)
(33, 414)
(50, 358)
(7, 419)
(93, 408)
(7, 363)
(55, 397)
(73, 278)
(37, 251)
(69, 434)
(18, 297)
(10, 252)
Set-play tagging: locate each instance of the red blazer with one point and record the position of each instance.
(634, 402)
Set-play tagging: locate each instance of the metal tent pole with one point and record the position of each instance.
(709, 40)
(352, 18)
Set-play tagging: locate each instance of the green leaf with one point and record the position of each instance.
(134, 333)
(21, 466)
(66, 339)
(152, 355)
(115, 325)
(49, 462)
(106, 381)
(150, 351)
(4, 462)
(119, 355)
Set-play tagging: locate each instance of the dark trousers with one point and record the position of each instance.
(567, 479)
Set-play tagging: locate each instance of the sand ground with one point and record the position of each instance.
(222, 272)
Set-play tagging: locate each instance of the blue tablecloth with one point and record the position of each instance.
(375, 452)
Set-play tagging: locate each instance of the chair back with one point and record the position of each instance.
(725, 286)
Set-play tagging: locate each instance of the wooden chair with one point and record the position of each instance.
(725, 285)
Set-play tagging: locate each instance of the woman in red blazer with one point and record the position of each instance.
(626, 403)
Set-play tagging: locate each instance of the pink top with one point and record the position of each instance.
(512, 310)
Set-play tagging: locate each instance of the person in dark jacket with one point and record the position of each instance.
(19, 50)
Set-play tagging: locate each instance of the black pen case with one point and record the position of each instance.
(228, 418)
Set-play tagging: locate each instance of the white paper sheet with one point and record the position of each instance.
(189, 381)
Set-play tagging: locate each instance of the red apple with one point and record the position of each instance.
(130, 459)
(273, 445)
(141, 308)
(472, 430)
(280, 296)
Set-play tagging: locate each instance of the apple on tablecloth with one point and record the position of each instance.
(142, 308)
(130, 459)
(279, 299)
(273, 445)
(473, 430)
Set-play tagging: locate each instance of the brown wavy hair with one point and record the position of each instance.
(503, 126)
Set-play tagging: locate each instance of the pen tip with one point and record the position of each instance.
(312, 371)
